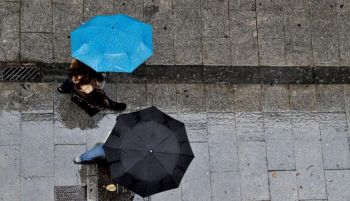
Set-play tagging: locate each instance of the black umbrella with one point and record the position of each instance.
(148, 151)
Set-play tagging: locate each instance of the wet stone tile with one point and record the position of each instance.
(104, 124)
(10, 97)
(280, 154)
(337, 184)
(216, 51)
(10, 131)
(159, 14)
(133, 95)
(303, 97)
(163, 50)
(248, 98)
(250, 126)
(37, 98)
(242, 5)
(220, 97)
(215, 18)
(283, 185)
(333, 125)
(305, 126)
(66, 17)
(269, 5)
(92, 8)
(190, 98)
(92, 188)
(74, 2)
(111, 92)
(174, 194)
(296, 5)
(61, 48)
(272, 52)
(276, 98)
(162, 96)
(336, 153)
(66, 172)
(225, 186)
(32, 47)
(270, 24)
(344, 48)
(133, 8)
(36, 16)
(325, 51)
(196, 126)
(188, 52)
(330, 98)
(322, 5)
(10, 172)
(37, 188)
(278, 126)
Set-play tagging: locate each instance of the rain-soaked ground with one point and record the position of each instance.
(251, 142)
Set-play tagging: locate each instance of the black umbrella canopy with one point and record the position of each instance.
(148, 151)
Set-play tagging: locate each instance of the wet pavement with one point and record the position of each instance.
(251, 142)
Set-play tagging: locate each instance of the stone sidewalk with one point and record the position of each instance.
(251, 142)
(190, 32)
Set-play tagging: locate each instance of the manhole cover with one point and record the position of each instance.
(70, 193)
(24, 72)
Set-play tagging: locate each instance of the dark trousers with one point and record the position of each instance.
(67, 86)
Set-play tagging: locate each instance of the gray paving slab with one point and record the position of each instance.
(336, 153)
(248, 98)
(191, 98)
(310, 173)
(275, 98)
(174, 194)
(10, 158)
(134, 95)
(36, 47)
(225, 186)
(303, 97)
(159, 14)
(37, 148)
(296, 5)
(347, 102)
(93, 8)
(10, 97)
(163, 47)
(278, 126)
(74, 2)
(325, 51)
(250, 126)
(196, 126)
(188, 52)
(244, 42)
(215, 18)
(37, 98)
(61, 52)
(270, 24)
(220, 97)
(216, 51)
(344, 35)
(162, 96)
(37, 188)
(67, 17)
(298, 38)
(283, 185)
(36, 16)
(280, 154)
(330, 98)
(306, 126)
(274, 5)
(253, 170)
(344, 47)
(322, 5)
(222, 142)
(133, 8)
(343, 5)
(242, 5)
(9, 36)
(196, 181)
(66, 172)
(92, 188)
(333, 126)
(337, 185)
(272, 52)
(98, 134)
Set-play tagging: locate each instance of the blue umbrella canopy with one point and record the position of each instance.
(112, 43)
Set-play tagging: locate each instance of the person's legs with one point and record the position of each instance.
(95, 153)
(66, 87)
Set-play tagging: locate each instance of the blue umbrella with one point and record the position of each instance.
(112, 43)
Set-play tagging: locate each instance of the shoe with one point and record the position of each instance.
(117, 106)
(77, 160)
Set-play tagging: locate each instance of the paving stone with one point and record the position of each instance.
(325, 51)
(296, 5)
(337, 184)
(92, 188)
(10, 131)
(37, 98)
(67, 17)
(162, 96)
(196, 182)
(333, 125)
(242, 5)
(9, 35)
(10, 173)
(336, 153)
(276, 98)
(244, 43)
(278, 126)
(99, 134)
(216, 51)
(274, 5)
(280, 154)
(270, 24)
(174, 194)
(225, 186)
(344, 48)
(36, 47)
(322, 5)
(74, 2)
(343, 6)
(298, 38)
(10, 97)
(344, 35)
(36, 16)
(133, 8)
(244, 101)
(306, 126)
(188, 52)
(323, 24)
(272, 52)
(93, 8)
(190, 98)
(220, 97)
(37, 188)
(215, 18)
(196, 126)
(222, 142)
(330, 98)
(134, 95)
(159, 14)
(61, 48)
(347, 102)
(163, 47)
(66, 172)
(283, 185)
(253, 171)
(303, 97)
(37, 145)
(250, 126)
(310, 173)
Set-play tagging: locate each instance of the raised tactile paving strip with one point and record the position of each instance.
(70, 193)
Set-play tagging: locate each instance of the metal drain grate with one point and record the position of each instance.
(70, 193)
(20, 73)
